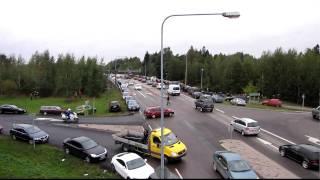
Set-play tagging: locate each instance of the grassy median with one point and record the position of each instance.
(18, 159)
(101, 103)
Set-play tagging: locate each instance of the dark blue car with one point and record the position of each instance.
(232, 166)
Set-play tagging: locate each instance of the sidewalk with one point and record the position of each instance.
(265, 167)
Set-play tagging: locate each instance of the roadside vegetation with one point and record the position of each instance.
(20, 160)
(101, 103)
(260, 106)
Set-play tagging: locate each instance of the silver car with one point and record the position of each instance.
(246, 126)
(238, 102)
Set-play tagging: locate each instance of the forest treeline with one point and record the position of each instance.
(64, 76)
(284, 74)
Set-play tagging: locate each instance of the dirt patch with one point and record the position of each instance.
(264, 166)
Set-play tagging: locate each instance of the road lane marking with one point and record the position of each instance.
(178, 173)
(48, 119)
(149, 93)
(278, 136)
(141, 94)
(235, 117)
(267, 143)
(220, 111)
(313, 140)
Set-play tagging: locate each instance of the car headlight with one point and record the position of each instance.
(174, 154)
(93, 155)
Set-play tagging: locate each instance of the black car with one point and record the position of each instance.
(84, 148)
(8, 108)
(114, 106)
(305, 154)
(205, 103)
(29, 133)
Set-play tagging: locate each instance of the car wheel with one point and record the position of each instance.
(113, 169)
(201, 109)
(242, 133)
(170, 114)
(14, 137)
(1, 111)
(282, 153)
(153, 116)
(67, 151)
(305, 164)
(211, 110)
(16, 112)
(45, 113)
(87, 159)
(196, 107)
(214, 167)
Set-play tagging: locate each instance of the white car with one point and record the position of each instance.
(137, 87)
(124, 94)
(238, 102)
(246, 126)
(131, 166)
(130, 83)
(159, 86)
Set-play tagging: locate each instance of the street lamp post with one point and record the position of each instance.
(185, 76)
(224, 14)
(201, 77)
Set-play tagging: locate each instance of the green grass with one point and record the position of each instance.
(101, 103)
(18, 159)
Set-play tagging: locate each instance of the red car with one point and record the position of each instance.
(272, 102)
(153, 112)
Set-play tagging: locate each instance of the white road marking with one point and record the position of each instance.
(278, 136)
(220, 111)
(267, 143)
(313, 140)
(149, 93)
(178, 173)
(235, 117)
(141, 94)
(150, 127)
(49, 119)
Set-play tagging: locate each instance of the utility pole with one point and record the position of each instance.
(201, 77)
(185, 76)
(145, 68)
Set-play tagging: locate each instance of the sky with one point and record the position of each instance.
(111, 29)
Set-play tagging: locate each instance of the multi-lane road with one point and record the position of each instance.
(201, 132)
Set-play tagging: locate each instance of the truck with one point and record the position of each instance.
(315, 113)
(149, 143)
(205, 103)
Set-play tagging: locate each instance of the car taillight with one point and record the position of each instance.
(314, 161)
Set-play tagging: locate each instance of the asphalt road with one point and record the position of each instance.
(201, 132)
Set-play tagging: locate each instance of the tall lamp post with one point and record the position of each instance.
(186, 74)
(224, 14)
(201, 77)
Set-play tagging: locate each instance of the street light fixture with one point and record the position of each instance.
(224, 14)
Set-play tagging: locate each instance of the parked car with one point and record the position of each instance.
(29, 133)
(238, 102)
(127, 98)
(192, 89)
(131, 166)
(154, 84)
(217, 98)
(9, 108)
(124, 94)
(1, 128)
(173, 89)
(272, 102)
(196, 94)
(133, 105)
(153, 112)
(246, 126)
(56, 110)
(231, 165)
(137, 87)
(81, 110)
(305, 154)
(205, 103)
(315, 113)
(149, 82)
(114, 106)
(85, 148)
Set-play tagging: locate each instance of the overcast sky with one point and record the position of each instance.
(112, 29)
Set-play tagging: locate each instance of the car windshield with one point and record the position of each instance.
(13, 106)
(136, 163)
(33, 129)
(89, 144)
(253, 124)
(239, 166)
(170, 139)
(176, 88)
(132, 103)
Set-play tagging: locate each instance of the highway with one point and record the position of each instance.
(201, 132)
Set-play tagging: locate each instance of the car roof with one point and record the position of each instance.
(310, 147)
(128, 156)
(247, 120)
(158, 131)
(25, 126)
(81, 139)
(231, 156)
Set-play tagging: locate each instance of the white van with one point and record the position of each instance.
(174, 89)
